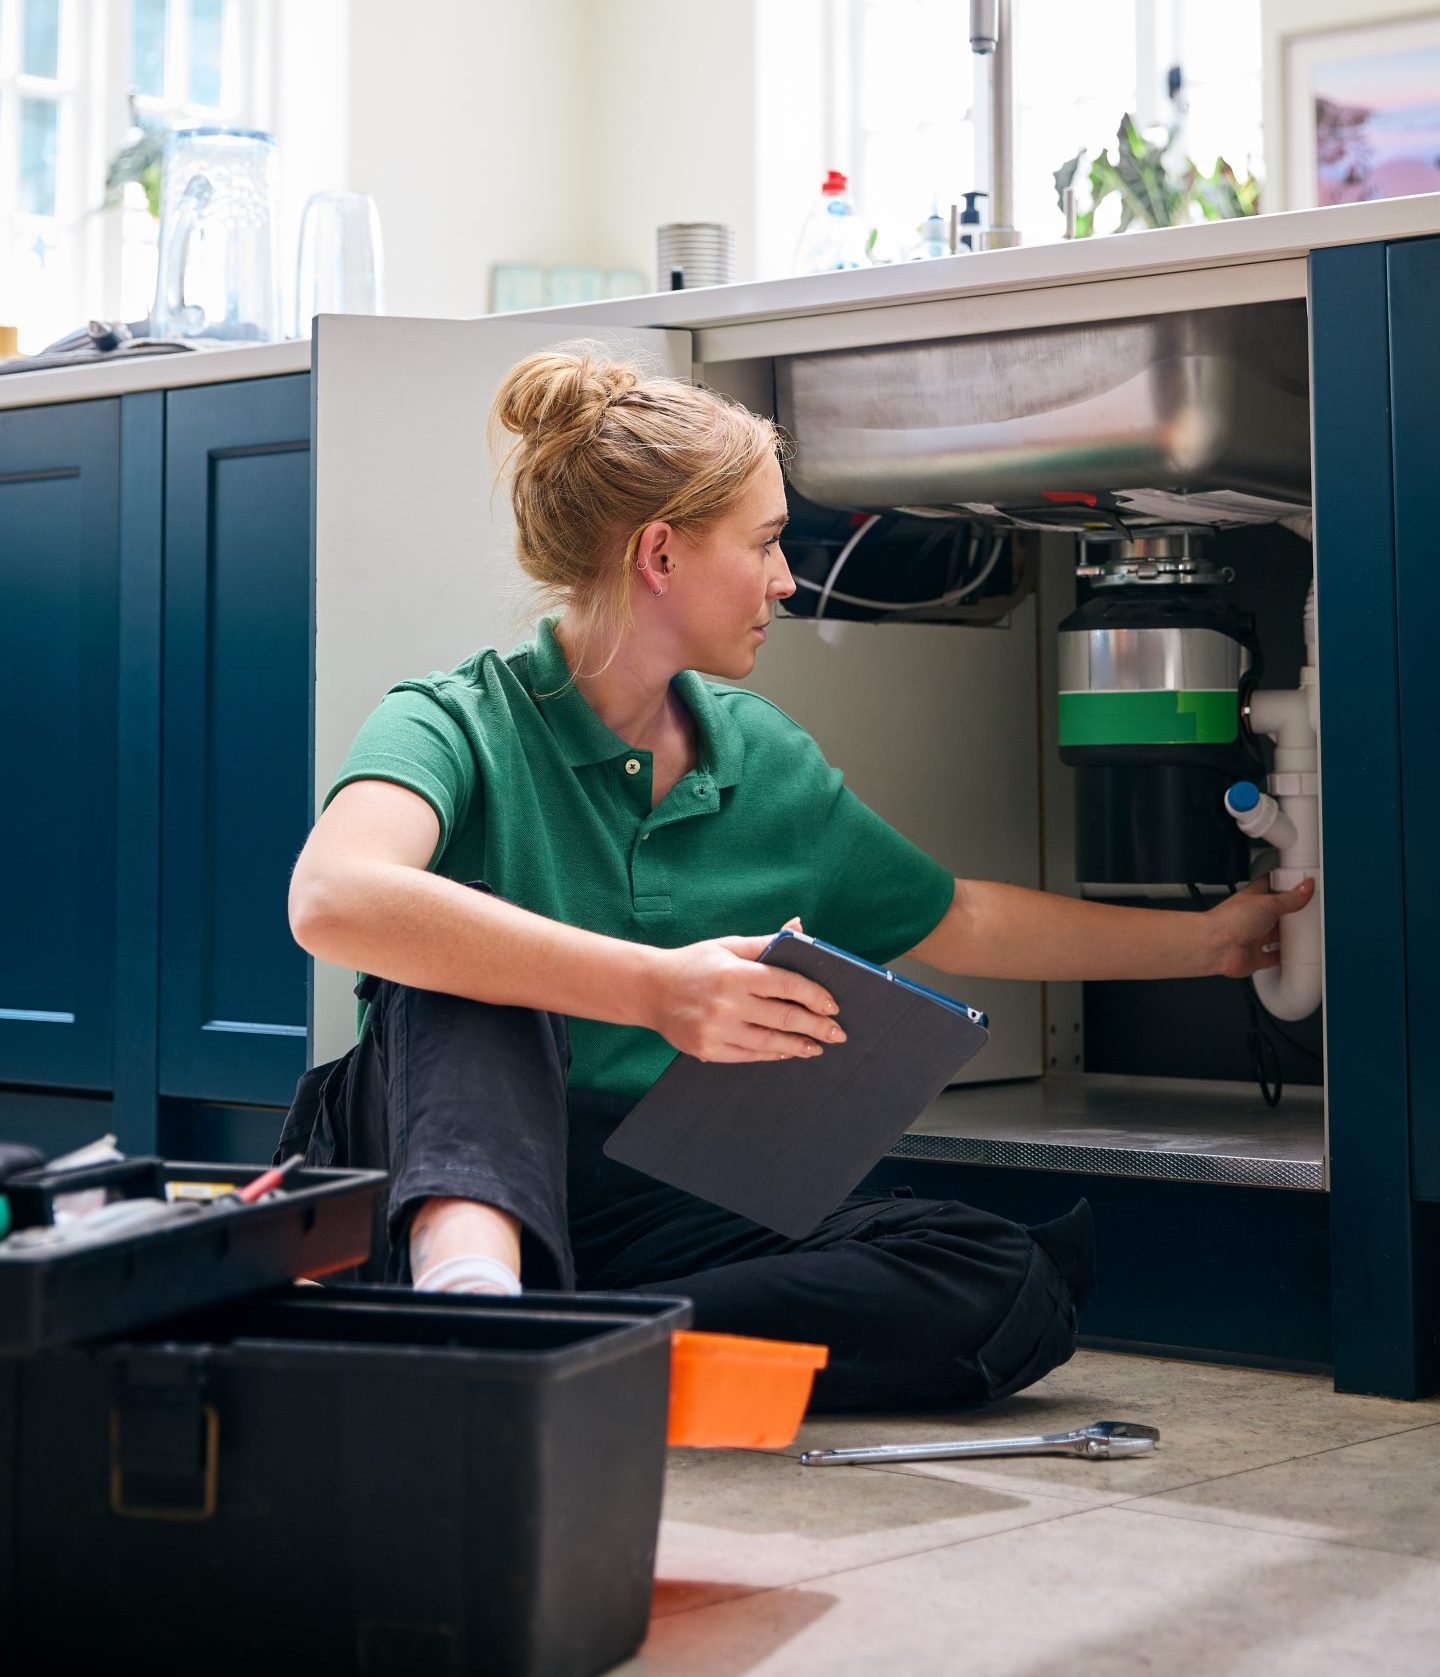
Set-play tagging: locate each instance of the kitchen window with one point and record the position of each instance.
(41, 124)
(75, 77)
(910, 98)
(188, 62)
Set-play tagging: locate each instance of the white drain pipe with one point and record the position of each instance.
(1289, 818)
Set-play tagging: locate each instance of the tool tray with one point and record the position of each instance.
(59, 1294)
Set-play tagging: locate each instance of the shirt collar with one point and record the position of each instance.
(585, 739)
(722, 745)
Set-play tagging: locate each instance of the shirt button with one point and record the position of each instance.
(699, 791)
(632, 765)
(644, 838)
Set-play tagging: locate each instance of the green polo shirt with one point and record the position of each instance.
(538, 798)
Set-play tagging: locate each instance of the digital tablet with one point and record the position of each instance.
(783, 1142)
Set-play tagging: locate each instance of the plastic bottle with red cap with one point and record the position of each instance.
(832, 236)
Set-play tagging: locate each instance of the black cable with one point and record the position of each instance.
(952, 559)
(1263, 1053)
(1285, 1037)
(1264, 1056)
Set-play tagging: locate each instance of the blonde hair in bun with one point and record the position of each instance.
(601, 450)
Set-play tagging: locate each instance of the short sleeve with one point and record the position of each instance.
(881, 894)
(412, 740)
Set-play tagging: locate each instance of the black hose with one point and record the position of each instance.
(1264, 1055)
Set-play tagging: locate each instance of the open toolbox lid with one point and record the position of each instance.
(60, 1293)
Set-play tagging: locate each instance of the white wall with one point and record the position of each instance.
(802, 126)
(468, 124)
(569, 130)
(1281, 19)
(670, 91)
(306, 49)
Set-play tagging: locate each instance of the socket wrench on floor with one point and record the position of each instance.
(1100, 1441)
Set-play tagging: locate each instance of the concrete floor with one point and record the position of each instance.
(1280, 1527)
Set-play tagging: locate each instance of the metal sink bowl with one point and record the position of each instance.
(1213, 400)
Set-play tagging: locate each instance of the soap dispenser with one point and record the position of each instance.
(970, 220)
(934, 237)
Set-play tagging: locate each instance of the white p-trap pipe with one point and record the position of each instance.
(1290, 819)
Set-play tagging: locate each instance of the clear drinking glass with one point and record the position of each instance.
(340, 269)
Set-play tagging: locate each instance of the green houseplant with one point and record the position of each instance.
(1153, 190)
(138, 160)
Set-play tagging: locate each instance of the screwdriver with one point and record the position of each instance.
(263, 1183)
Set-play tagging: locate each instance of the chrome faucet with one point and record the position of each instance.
(990, 40)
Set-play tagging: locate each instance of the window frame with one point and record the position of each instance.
(244, 89)
(65, 91)
(92, 90)
(1160, 29)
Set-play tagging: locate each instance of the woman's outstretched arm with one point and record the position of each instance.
(1008, 931)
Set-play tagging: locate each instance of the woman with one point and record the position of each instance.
(559, 867)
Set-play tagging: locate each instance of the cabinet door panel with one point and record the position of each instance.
(1413, 274)
(59, 582)
(237, 609)
(1381, 1291)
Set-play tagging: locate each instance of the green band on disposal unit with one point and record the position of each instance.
(1150, 718)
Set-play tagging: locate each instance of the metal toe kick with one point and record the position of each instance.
(1167, 1129)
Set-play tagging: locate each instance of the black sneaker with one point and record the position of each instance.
(1069, 1241)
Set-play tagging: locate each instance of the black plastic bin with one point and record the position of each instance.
(345, 1479)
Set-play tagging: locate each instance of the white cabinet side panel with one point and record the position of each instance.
(935, 727)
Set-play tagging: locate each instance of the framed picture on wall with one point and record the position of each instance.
(1362, 111)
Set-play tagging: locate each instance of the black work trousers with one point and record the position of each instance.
(922, 1302)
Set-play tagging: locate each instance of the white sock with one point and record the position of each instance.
(469, 1275)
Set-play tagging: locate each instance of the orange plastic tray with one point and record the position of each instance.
(744, 1393)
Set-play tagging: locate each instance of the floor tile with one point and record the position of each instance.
(1213, 1420)
(1379, 1495)
(742, 1520)
(1106, 1592)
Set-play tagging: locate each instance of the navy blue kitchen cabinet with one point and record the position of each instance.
(1413, 280)
(80, 552)
(154, 669)
(233, 1001)
(59, 654)
(1376, 426)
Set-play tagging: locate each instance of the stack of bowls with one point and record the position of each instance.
(704, 251)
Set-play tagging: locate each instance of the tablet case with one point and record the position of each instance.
(782, 1142)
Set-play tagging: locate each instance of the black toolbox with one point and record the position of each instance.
(346, 1479)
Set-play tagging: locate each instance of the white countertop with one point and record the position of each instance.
(1264, 253)
(153, 372)
(1205, 246)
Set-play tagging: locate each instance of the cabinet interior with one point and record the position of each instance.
(949, 730)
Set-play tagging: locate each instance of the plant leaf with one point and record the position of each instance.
(131, 162)
(1221, 194)
(1140, 172)
(1065, 176)
(141, 160)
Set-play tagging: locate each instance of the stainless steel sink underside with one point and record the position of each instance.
(1217, 399)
